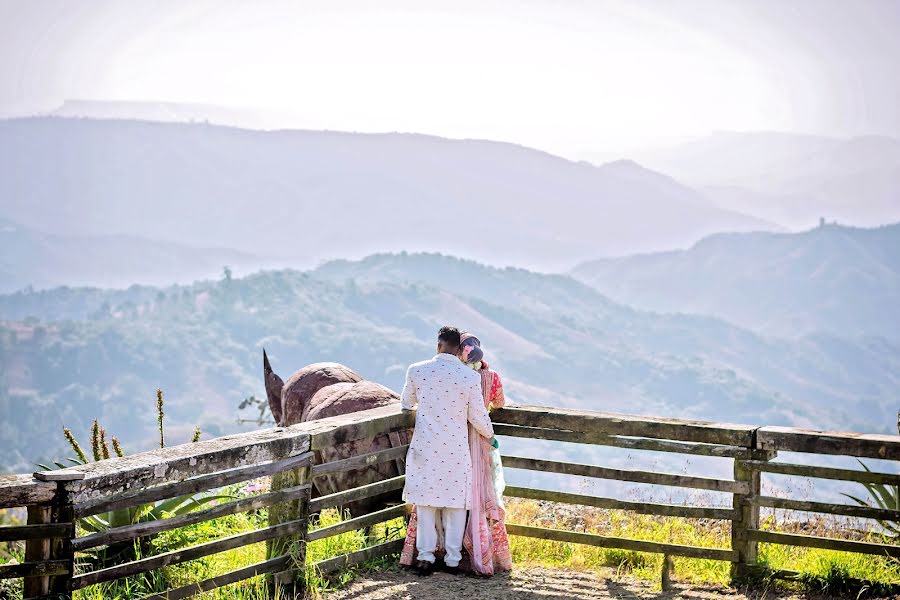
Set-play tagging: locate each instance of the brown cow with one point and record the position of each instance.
(330, 389)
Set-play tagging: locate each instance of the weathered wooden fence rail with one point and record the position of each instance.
(55, 500)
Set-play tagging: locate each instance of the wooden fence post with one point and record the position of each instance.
(62, 511)
(37, 550)
(747, 508)
(293, 580)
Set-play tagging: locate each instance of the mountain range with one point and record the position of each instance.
(338, 195)
(32, 258)
(832, 279)
(115, 235)
(557, 342)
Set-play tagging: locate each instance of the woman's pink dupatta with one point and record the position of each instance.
(485, 539)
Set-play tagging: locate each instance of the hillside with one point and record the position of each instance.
(33, 258)
(556, 341)
(840, 280)
(289, 193)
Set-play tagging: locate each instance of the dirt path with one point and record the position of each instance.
(527, 584)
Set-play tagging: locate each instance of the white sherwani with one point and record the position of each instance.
(447, 396)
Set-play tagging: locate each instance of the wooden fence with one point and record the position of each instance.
(55, 500)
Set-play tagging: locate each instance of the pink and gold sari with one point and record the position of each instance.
(485, 543)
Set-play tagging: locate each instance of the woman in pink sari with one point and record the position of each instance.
(485, 543)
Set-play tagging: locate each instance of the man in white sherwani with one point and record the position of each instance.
(447, 396)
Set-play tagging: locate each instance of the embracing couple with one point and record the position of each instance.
(454, 479)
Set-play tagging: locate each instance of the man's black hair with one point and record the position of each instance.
(449, 335)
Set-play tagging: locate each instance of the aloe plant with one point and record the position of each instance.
(153, 511)
(886, 497)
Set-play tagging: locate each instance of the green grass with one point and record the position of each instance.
(11, 552)
(255, 588)
(345, 543)
(821, 570)
(533, 551)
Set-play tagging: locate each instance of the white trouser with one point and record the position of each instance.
(452, 522)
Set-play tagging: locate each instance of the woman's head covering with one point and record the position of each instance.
(470, 349)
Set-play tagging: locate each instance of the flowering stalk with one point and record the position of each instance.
(104, 447)
(117, 448)
(159, 417)
(76, 447)
(95, 440)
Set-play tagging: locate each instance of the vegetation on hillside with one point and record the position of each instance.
(556, 341)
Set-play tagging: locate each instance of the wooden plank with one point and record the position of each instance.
(810, 541)
(190, 486)
(360, 556)
(185, 554)
(824, 472)
(352, 495)
(119, 534)
(176, 463)
(594, 422)
(592, 539)
(22, 490)
(364, 424)
(701, 483)
(37, 550)
(846, 510)
(359, 462)
(273, 565)
(385, 514)
(647, 508)
(618, 441)
(34, 569)
(746, 551)
(59, 475)
(36, 532)
(829, 442)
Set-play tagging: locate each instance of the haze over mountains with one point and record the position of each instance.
(290, 193)
(41, 260)
(304, 196)
(789, 178)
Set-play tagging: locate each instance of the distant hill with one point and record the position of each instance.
(840, 280)
(789, 178)
(167, 112)
(328, 194)
(556, 341)
(32, 258)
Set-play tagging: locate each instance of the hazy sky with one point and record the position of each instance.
(566, 76)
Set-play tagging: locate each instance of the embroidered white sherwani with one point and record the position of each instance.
(447, 396)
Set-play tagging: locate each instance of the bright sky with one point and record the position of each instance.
(569, 77)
